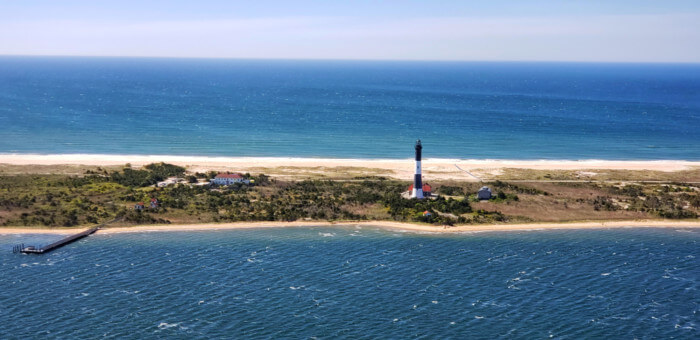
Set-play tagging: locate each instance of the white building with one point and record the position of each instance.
(228, 179)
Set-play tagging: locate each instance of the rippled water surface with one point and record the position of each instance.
(354, 282)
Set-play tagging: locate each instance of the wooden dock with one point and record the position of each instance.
(58, 244)
(21, 248)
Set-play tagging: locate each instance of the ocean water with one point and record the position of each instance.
(355, 282)
(349, 109)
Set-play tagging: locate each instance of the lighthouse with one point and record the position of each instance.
(417, 191)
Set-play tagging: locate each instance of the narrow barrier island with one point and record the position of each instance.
(162, 193)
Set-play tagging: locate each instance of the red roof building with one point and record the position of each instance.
(426, 188)
(228, 176)
(228, 179)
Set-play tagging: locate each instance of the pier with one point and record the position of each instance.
(21, 248)
(58, 244)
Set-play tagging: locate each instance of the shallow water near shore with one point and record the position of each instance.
(350, 282)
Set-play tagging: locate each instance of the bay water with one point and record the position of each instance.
(355, 282)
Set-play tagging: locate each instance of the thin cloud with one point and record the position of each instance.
(671, 37)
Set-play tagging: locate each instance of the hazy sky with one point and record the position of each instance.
(575, 30)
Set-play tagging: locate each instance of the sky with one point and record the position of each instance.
(495, 30)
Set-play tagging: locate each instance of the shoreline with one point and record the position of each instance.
(470, 170)
(138, 159)
(408, 227)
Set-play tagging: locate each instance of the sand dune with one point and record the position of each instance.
(458, 169)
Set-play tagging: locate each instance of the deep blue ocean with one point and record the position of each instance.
(349, 109)
(354, 282)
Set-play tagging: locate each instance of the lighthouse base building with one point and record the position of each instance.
(427, 190)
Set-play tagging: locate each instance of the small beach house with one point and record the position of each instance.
(484, 193)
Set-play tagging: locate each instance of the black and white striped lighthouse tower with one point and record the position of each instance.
(417, 180)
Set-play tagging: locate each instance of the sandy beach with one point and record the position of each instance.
(456, 169)
(410, 227)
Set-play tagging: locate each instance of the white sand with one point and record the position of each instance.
(398, 168)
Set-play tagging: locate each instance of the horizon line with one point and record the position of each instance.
(350, 59)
